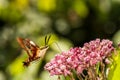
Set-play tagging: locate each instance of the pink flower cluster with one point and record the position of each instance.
(80, 58)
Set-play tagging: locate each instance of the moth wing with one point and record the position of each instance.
(32, 44)
(21, 43)
(24, 43)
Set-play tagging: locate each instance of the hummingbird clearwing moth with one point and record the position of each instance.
(34, 52)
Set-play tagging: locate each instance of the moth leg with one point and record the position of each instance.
(26, 63)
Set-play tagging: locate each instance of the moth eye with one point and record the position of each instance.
(31, 42)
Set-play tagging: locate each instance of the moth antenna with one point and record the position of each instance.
(58, 46)
(48, 39)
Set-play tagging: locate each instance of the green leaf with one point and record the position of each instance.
(115, 68)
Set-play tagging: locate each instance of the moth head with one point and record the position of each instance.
(41, 52)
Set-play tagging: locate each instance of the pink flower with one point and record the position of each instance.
(58, 66)
(80, 58)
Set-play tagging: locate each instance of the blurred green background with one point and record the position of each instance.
(70, 22)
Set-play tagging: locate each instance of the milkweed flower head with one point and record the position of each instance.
(80, 58)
